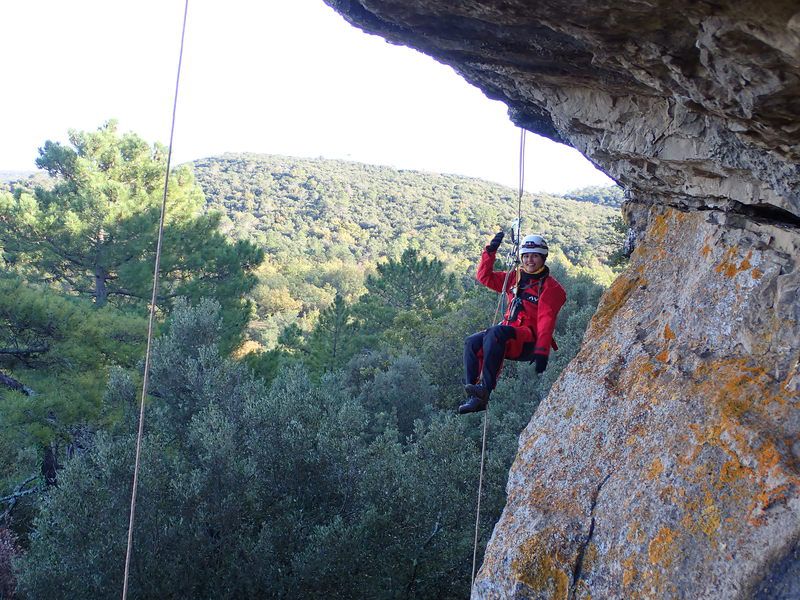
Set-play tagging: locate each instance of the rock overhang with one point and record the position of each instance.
(689, 104)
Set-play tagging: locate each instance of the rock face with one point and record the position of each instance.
(665, 463)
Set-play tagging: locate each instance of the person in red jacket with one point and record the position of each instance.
(526, 333)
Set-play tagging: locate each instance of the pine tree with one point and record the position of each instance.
(333, 340)
(413, 283)
(95, 231)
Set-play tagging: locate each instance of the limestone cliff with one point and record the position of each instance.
(666, 460)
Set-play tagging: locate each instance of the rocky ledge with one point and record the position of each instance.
(665, 463)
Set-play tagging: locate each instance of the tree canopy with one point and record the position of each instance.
(326, 463)
(95, 229)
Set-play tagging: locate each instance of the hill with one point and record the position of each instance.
(365, 211)
(326, 223)
(8, 176)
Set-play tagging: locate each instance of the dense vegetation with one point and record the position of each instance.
(325, 224)
(321, 458)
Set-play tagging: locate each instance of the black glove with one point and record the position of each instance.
(541, 362)
(496, 241)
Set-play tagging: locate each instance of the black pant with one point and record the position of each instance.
(493, 342)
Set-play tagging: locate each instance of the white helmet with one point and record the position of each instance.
(533, 244)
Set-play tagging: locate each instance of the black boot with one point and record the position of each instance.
(472, 405)
(477, 390)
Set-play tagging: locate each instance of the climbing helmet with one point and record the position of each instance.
(533, 244)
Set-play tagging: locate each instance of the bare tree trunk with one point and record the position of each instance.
(50, 465)
(100, 289)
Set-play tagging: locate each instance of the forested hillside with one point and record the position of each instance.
(301, 436)
(325, 224)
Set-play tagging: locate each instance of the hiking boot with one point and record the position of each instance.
(479, 391)
(472, 405)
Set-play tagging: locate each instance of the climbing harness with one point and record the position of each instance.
(512, 260)
(151, 321)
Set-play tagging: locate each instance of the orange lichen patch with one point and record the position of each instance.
(614, 298)
(757, 273)
(538, 566)
(729, 266)
(636, 380)
(688, 523)
(668, 333)
(701, 516)
(661, 550)
(663, 356)
(736, 386)
(658, 228)
(629, 573)
(768, 457)
(733, 470)
(656, 468)
(706, 250)
(745, 264)
(779, 494)
(768, 498)
(667, 494)
(757, 473)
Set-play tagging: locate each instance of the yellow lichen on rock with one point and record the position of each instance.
(661, 550)
(656, 468)
(614, 298)
(630, 573)
(709, 519)
(538, 567)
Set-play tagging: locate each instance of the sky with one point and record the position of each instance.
(285, 77)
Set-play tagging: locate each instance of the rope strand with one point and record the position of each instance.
(151, 321)
(499, 303)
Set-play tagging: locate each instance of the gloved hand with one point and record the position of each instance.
(496, 241)
(541, 362)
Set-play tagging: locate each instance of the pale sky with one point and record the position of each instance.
(268, 76)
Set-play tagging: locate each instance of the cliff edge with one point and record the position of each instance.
(665, 462)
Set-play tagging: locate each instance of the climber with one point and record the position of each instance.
(526, 332)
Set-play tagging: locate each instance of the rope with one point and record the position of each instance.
(151, 321)
(501, 299)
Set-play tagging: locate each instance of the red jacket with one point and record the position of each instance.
(540, 305)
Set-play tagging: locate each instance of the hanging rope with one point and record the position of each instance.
(151, 321)
(500, 301)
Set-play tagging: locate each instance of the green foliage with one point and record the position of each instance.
(94, 231)
(61, 348)
(341, 470)
(332, 342)
(325, 223)
(412, 283)
(254, 492)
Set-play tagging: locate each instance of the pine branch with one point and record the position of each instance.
(24, 351)
(15, 385)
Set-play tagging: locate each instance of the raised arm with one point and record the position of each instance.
(486, 273)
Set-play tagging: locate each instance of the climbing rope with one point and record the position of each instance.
(501, 300)
(151, 321)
